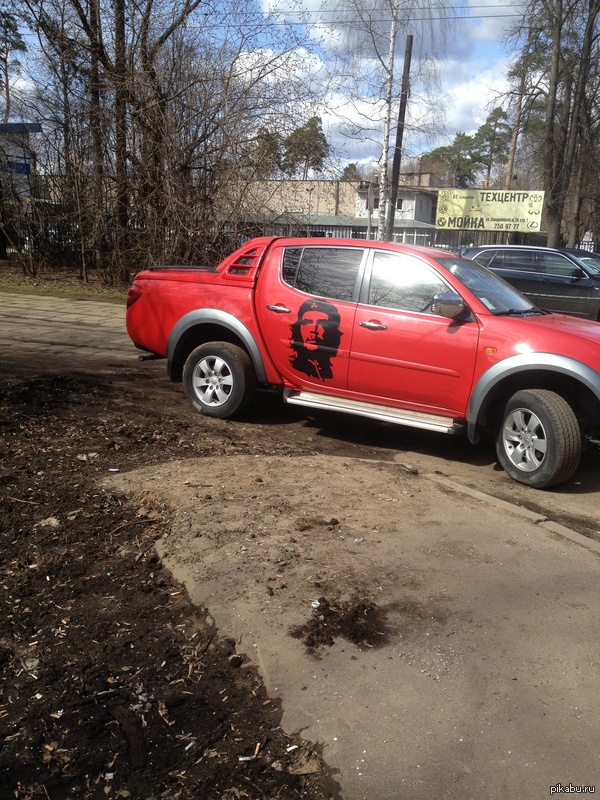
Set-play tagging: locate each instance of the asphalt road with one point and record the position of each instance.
(64, 326)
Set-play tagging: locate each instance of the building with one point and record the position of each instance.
(17, 160)
(17, 180)
(344, 209)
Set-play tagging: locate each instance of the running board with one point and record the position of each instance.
(413, 419)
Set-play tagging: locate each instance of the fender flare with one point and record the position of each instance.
(223, 319)
(526, 362)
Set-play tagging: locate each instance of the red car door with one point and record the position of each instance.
(306, 306)
(403, 353)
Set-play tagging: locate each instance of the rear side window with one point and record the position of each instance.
(523, 260)
(487, 257)
(323, 271)
(518, 260)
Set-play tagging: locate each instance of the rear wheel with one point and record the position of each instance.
(539, 442)
(219, 379)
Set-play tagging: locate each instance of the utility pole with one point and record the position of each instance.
(391, 208)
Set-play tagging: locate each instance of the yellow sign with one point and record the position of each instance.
(489, 210)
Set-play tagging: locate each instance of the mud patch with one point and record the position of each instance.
(358, 621)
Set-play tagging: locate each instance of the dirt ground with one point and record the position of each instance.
(113, 684)
(117, 684)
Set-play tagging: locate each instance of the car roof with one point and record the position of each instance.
(574, 255)
(580, 251)
(518, 247)
(577, 252)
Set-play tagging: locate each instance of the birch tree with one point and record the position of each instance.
(369, 52)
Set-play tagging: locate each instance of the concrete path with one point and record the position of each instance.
(487, 684)
(59, 325)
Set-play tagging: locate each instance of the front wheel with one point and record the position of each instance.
(539, 442)
(219, 379)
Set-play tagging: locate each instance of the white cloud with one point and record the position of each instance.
(496, 19)
(474, 89)
(470, 56)
(473, 101)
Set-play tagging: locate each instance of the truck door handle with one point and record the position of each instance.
(279, 309)
(373, 326)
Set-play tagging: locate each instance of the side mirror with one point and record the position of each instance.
(448, 304)
(578, 273)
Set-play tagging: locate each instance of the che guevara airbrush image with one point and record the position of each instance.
(315, 339)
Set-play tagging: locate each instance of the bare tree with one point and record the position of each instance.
(565, 38)
(173, 100)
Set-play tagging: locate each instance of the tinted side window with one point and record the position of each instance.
(555, 264)
(523, 260)
(403, 283)
(323, 271)
(486, 258)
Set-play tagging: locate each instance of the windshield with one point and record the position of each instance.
(498, 296)
(591, 260)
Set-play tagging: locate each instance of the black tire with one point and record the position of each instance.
(539, 442)
(219, 379)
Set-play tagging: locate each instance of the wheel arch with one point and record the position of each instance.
(577, 383)
(209, 325)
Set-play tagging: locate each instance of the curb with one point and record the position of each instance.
(532, 516)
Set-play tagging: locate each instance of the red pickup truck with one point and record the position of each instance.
(399, 333)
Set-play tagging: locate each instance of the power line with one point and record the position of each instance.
(316, 16)
(295, 12)
(355, 22)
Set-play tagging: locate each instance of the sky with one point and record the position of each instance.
(478, 75)
(469, 51)
(458, 70)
